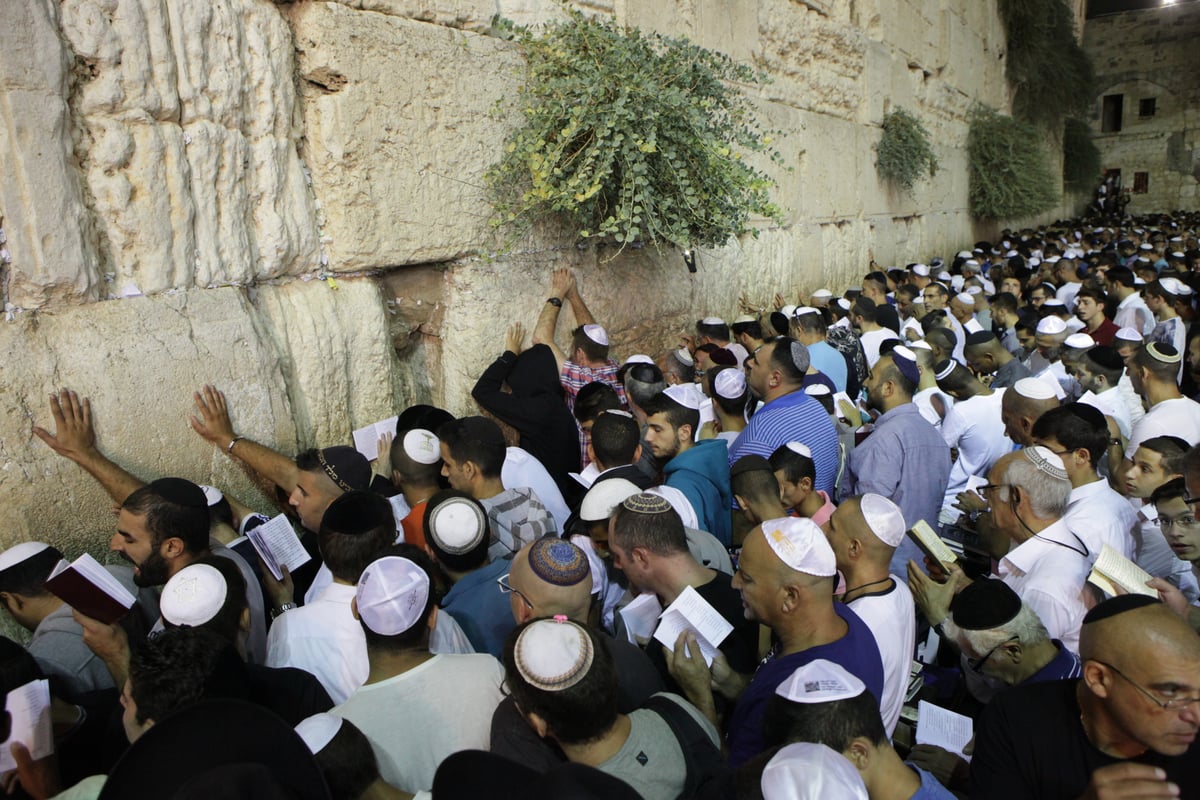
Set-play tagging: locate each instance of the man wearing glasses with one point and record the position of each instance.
(1126, 728)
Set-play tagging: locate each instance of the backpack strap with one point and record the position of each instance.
(693, 741)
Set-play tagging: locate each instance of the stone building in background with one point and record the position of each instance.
(1147, 115)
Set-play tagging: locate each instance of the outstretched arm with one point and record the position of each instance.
(561, 284)
(582, 315)
(214, 426)
(75, 438)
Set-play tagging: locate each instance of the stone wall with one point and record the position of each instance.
(1142, 55)
(286, 200)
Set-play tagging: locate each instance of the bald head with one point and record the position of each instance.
(570, 591)
(852, 538)
(1143, 634)
(1019, 413)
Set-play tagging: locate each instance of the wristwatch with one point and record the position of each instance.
(279, 610)
(554, 301)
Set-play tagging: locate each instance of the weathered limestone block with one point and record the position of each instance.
(338, 360)
(42, 210)
(139, 360)
(190, 132)
(399, 132)
(730, 28)
(816, 62)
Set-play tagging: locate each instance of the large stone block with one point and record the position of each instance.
(400, 132)
(42, 209)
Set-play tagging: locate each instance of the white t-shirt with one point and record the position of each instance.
(1110, 404)
(891, 617)
(974, 428)
(1100, 516)
(924, 402)
(871, 341)
(416, 719)
(1178, 417)
(1133, 313)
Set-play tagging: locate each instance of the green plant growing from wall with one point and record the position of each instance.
(1051, 75)
(1081, 157)
(1010, 174)
(904, 154)
(632, 137)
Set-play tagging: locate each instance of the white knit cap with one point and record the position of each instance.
(553, 654)
(391, 595)
(822, 293)
(1080, 341)
(920, 344)
(712, 321)
(685, 356)
(1128, 335)
(639, 358)
(1034, 389)
(843, 304)
(810, 771)
(817, 390)
(921, 269)
(788, 311)
(193, 595)
(1173, 286)
(596, 333)
(422, 446)
(800, 545)
(820, 681)
(603, 498)
(1047, 462)
(19, 553)
(318, 730)
(457, 525)
(1051, 326)
(730, 383)
(965, 299)
(800, 449)
(687, 395)
(884, 518)
(805, 310)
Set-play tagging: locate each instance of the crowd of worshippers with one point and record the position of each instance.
(480, 617)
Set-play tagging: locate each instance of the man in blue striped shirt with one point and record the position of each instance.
(775, 373)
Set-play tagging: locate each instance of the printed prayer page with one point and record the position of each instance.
(277, 544)
(640, 617)
(366, 439)
(1113, 568)
(28, 707)
(944, 728)
(691, 612)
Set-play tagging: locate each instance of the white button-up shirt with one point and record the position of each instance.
(1100, 516)
(1049, 576)
(323, 638)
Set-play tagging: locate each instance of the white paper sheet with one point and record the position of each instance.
(29, 708)
(366, 439)
(641, 616)
(277, 544)
(944, 728)
(1112, 567)
(691, 612)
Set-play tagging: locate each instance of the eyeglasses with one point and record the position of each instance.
(1182, 521)
(976, 664)
(1174, 704)
(990, 487)
(507, 588)
(1191, 501)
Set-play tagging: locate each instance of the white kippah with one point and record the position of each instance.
(944, 275)
(965, 299)
(1172, 286)
(816, 390)
(922, 270)
(884, 518)
(920, 344)
(820, 681)
(1054, 302)
(684, 356)
(422, 446)
(553, 654)
(822, 293)
(193, 595)
(1080, 341)
(974, 290)
(212, 494)
(712, 321)
(318, 731)
(800, 449)
(1051, 326)
(843, 303)
(745, 318)
(21, 552)
(800, 545)
(1047, 462)
(1128, 335)
(730, 384)
(809, 771)
(677, 500)
(963, 254)
(687, 395)
(805, 310)
(788, 311)
(956, 282)
(596, 333)
(639, 358)
(391, 595)
(1145, 246)
(1176, 254)
(1034, 389)
(457, 525)
(604, 497)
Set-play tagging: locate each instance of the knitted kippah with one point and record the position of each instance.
(1046, 461)
(1163, 352)
(553, 654)
(646, 504)
(558, 562)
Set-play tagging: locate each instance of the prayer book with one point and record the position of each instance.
(931, 544)
(943, 728)
(278, 545)
(28, 710)
(1113, 569)
(90, 589)
(838, 399)
(691, 612)
(640, 616)
(366, 439)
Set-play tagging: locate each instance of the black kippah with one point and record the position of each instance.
(751, 463)
(1119, 605)
(1090, 415)
(980, 337)
(1106, 357)
(181, 492)
(985, 604)
(356, 513)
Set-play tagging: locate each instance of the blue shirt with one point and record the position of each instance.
(702, 473)
(481, 609)
(856, 652)
(930, 789)
(1064, 665)
(794, 417)
(829, 361)
(906, 460)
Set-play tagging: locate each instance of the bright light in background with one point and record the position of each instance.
(1168, 2)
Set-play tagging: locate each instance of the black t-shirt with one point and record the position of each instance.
(1030, 744)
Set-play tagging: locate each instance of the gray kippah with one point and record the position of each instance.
(646, 503)
(800, 356)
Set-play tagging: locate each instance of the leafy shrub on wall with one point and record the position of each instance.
(633, 137)
(1010, 173)
(904, 154)
(1081, 157)
(1051, 75)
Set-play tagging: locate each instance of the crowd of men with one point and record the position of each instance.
(519, 603)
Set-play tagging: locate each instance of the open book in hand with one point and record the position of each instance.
(278, 546)
(86, 586)
(1113, 569)
(691, 612)
(366, 438)
(931, 544)
(28, 709)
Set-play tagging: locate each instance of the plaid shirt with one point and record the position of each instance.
(575, 376)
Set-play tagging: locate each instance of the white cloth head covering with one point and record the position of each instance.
(809, 771)
(678, 501)
(800, 545)
(822, 294)
(318, 731)
(712, 321)
(639, 358)
(596, 333)
(1047, 462)
(1034, 389)
(687, 395)
(1128, 335)
(1080, 341)
(1051, 326)
(685, 356)
(21, 552)
(193, 595)
(422, 446)
(603, 498)
(212, 494)
(965, 298)
(457, 525)
(820, 681)
(730, 383)
(884, 518)
(920, 269)
(800, 449)
(391, 595)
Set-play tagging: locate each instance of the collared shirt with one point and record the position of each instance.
(792, 417)
(973, 427)
(1110, 404)
(1100, 516)
(1048, 573)
(1063, 666)
(323, 638)
(906, 460)
(1007, 375)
